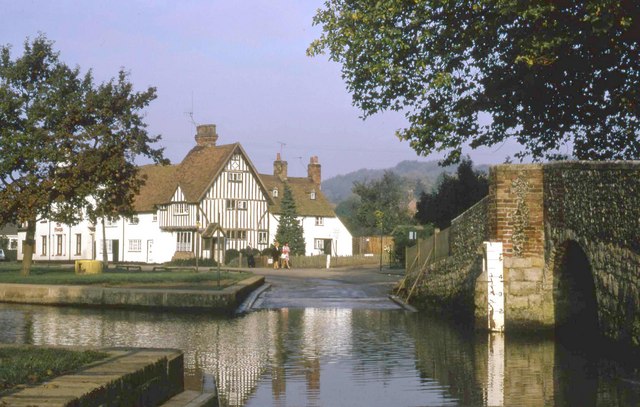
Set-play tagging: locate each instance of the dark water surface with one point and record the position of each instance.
(341, 357)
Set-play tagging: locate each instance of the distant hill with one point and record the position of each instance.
(423, 176)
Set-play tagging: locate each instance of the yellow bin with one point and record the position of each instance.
(88, 267)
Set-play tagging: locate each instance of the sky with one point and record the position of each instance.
(241, 65)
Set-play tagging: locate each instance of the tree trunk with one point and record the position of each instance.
(105, 255)
(28, 247)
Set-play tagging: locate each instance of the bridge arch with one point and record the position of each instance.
(574, 293)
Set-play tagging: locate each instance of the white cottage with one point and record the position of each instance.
(324, 233)
(213, 201)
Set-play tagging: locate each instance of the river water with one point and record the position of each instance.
(341, 357)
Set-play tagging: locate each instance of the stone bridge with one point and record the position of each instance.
(571, 245)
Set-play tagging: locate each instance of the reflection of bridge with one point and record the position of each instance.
(571, 238)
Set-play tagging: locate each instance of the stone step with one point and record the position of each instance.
(192, 398)
(129, 376)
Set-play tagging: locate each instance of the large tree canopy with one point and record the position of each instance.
(545, 73)
(65, 142)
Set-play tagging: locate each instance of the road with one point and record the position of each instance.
(354, 288)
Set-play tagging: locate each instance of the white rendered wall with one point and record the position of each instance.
(331, 228)
(68, 234)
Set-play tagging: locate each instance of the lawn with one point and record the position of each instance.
(64, 275)
(25, 365)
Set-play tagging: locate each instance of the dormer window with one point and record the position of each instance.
(274, 193)
(312, 195)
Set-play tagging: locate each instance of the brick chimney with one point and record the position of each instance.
(206, 135)
(280, 168)
(314, 171)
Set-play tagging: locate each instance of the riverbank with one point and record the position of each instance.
(192, 299)
(148, 377)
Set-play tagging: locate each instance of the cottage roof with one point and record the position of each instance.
(194, 175)
(201, 167)
(160, 184)
(301, 189)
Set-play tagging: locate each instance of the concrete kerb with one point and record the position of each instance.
(225, 300)
(127, 376)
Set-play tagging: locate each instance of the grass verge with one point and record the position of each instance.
(27, 365)
(59, 275)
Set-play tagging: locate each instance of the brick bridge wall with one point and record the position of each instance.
(535, 210)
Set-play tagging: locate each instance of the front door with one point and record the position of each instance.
(149, 251)
(115, 249)
(327, 246)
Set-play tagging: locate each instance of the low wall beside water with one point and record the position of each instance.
(225, 300)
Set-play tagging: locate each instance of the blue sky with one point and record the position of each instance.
(238, 64)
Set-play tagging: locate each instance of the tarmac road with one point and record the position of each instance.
(353, 288)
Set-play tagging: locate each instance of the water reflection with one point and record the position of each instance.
(333, 357)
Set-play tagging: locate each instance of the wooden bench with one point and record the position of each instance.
(129, 267)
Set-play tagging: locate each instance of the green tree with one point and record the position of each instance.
(454, 195)
(383, 204)
(346, 210)
(546, 74)
(289, 227)
(65, 140)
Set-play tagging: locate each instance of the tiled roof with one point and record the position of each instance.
(301, 189)
(159, 186)
(194, 175)
(201, 167)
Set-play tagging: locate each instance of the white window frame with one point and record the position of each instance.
(60, 244)
(154, 217)
(110, 223)
(235, 177)
(182, 209)
(78, 244)
(319, 220)
(109, 246)
(184, 241)
(318, 244)
(312, 195)
(231, 204)
(135, 245)
(274, 193)
(134, 220)
(263, 237)
(242, 205)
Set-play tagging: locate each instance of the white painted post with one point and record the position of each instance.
(328, 261)
(493, 266)
(495, 370)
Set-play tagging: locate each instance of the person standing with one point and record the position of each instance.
(285, 255)
(251, 261)
(275, 254)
